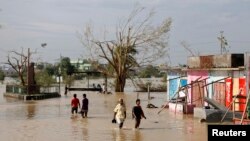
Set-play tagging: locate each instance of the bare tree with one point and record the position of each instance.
(136, 42)
(18, 62)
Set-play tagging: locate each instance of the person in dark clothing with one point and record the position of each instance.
(137, 113)
(94, 85)
(99, 87)
(85, 106)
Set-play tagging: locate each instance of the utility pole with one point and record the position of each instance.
(29, 78)
(223, 43)
(28, 73)
(59, 73)
(149, 84)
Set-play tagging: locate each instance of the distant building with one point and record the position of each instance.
(81, 65)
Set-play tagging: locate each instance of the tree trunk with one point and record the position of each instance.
(120, 84)
(22, 79)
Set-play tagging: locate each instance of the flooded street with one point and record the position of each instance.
(50, 120)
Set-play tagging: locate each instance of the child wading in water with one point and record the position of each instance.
(137, 113)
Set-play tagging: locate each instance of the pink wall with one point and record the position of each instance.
(193, 75)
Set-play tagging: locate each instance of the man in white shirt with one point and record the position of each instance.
(120, 113)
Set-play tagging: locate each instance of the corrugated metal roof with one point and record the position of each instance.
(218, 69)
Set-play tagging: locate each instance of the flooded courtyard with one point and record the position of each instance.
(50, 120)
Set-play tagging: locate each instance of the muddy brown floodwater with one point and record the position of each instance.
(50, 120)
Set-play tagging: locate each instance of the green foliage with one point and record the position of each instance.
(39, 66)
(66, 67)
(150, 71)
(43, 78)
(143, 87)
(70, 70)
(164, 79)
(66, 70)
(1, 75)
(68, 80)
(51, 70)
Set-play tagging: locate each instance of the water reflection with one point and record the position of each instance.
(31, 110)
(10, 99)
(127, 134)
(85, 134)
(119, 135)
(137, 136)
(74, 127)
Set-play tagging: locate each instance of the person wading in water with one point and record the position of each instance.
(74, 105)
(120, 113)
(137, 113)
(85, 106)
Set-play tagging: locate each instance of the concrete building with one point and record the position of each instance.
(81, 65)
(217, 77)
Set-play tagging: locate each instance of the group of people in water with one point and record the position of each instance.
(102, 88)
(75, 103)
(120, 113)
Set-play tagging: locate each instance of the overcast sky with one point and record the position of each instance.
(28, 23)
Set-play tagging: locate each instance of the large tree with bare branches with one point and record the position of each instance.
(18, 62)
(136, 41)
